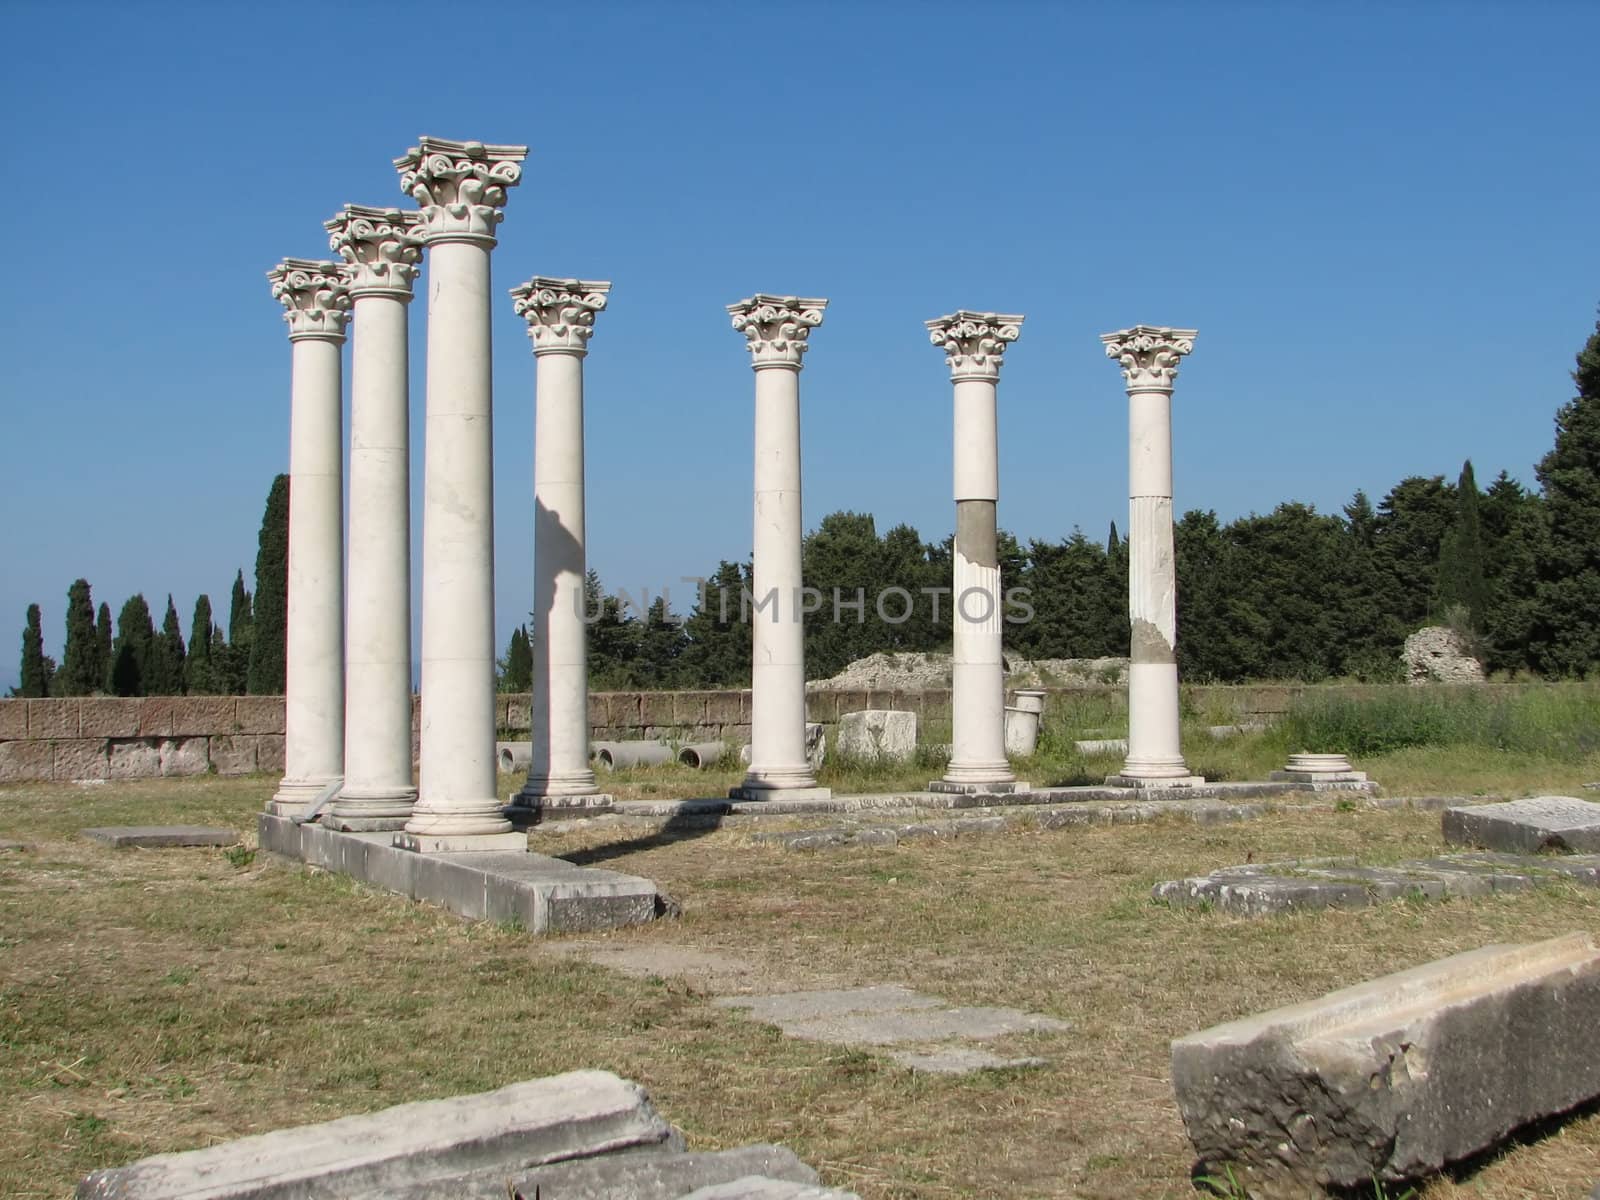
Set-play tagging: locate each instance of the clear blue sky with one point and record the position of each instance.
(1380, 218)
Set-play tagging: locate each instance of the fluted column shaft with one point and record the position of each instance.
(316, 297)
(1149, 356)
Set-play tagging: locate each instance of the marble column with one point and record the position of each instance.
(460, 187)
(317, 300)
(1149, 358)
(776, 329)
(974, 344)
(381, 249)
(560, 315)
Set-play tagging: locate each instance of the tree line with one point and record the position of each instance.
(140, 660)
(1291, 594)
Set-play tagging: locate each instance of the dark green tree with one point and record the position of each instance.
(1462, 586)
(131, 653)
(199, 674)
(612, 636)
(102, 638)
(716, 652)
(841, 560)
(1411, 524)
(1514, 533)
(164, 673)
(83, 671)
(516, 669)
(270, 619)
(230, 661)
(37, 667)
(1565, 639)
(661, 643)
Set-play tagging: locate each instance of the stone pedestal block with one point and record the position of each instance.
(1541, 823)
(878, 734)
(1318, 768)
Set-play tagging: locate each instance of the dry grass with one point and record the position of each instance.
(162, 1000)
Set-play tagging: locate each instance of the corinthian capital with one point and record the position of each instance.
(381, 246)
(560, 312)
(776, 327)
(973, 342)
(1149, 355)
(460, 186)
(316, 295)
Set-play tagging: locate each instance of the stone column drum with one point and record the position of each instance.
(381, 249)
(1149, 358)
(460, 187)
(317, 301)
(560, 315)
(776, 329)
(974, 344)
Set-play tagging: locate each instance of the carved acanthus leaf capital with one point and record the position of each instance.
(316, 295)
(381, 247)
(1149, 355)
(460, 186)
(776, 327)
(974, 343)
(560, 312)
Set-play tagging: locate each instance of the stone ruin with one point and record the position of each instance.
(1438, 654)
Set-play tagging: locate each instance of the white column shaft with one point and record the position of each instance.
(457, 792)
(1154, 749)
(378, 621)
(560, 701)
(778, 674)
(314, 646)
(977, 702)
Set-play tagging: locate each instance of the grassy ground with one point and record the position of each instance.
(156, 1001)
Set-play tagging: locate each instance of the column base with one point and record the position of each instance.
(525, 810)
(294, 795)
(1154, 781)
(365, 810)
(1317, 776)
(462, 843)
(752, 791)
(953, 787)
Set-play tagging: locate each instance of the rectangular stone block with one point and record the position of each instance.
(185, 756)
(108, 716)
(722, 708)
(877, 735)
(13, 720)
(258, 714)
(1395, 1078)
(53, 718)
(689, 709)
(23, 762)
(563, 1117)
(234, 753)
(201, 716)
(622, 710)
(155, 716)
(598, 715)
(519, 714)
(1532, 826)
(502, 714)
(161, 837)
(656, 708)
(80, 758)
(269, 754)
(822, 706)
(134, 758)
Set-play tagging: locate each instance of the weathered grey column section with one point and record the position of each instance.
(560, 315)
(776, 329)
(460, 186)
(317, 299)
(381, 249)
(1149, 357)
(974, 344)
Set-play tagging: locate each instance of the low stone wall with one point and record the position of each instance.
(109, 737)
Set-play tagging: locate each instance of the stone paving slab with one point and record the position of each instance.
(885, 1015)
(644, 1175)
(7, 845)
(1564, 824)
(961, 1060)
(757, 1187)
(1301, 886)
(790, 1008)
(161, 836)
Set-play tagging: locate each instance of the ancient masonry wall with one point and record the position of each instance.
(106, 737)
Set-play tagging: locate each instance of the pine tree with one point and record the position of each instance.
(82, 672)
(37, 667)
(1462, 588)
(269, 629)
(131, 654)
(199, 678)
(1566, 637)
(102, 639)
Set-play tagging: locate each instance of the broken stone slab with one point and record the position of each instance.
(7, 845)
(1532, 826)
(960, 1060)
(524, 1125)
(1101, 746)
(161, 836)
(785, 1007)
(1395, 1078)
(756, 1187)
(878, 735)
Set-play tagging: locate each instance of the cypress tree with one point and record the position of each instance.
(199, 678)
(1566, 638)
(1462, 588)
(239, 613)
(102, 638)
(1113, 543)
(136, 634)
(164, 674)
(270, 624)
(517, 675)
(37, 668)
(82, 671)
